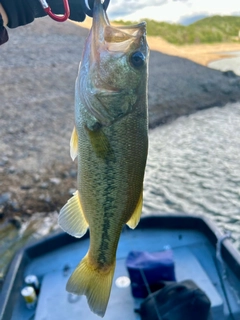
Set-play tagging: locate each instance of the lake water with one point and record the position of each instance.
(231, 63)
(194, 167)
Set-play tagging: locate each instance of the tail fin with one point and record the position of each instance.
(94, 283)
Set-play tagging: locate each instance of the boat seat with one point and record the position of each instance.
(188, 267)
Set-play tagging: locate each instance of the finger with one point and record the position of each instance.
(77, 15)
(88, 6)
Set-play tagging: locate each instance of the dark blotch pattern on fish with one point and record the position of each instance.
(108, 209)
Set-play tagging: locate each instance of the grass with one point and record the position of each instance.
(213, 29)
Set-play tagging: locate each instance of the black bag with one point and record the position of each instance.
(176, 301)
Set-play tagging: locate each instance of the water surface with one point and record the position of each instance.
(231, 63)
(194, 167)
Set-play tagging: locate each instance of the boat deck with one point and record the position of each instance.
(194, 257)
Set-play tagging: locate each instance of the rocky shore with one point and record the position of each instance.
(38, 69)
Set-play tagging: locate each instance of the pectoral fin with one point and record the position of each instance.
(71, 218)
(74, 144)
(100, 144)
(133, 221)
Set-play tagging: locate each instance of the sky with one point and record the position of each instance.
(176, 11)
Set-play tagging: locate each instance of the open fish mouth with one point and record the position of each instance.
(117, 38)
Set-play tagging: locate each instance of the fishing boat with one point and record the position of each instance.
(200, 253)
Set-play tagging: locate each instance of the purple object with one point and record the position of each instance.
(149, 269)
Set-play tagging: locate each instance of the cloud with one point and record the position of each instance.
(170, 10)
(119, 8)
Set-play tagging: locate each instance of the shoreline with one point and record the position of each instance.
(231, 62)
(199, 53)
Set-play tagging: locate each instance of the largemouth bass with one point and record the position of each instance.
(110, 140)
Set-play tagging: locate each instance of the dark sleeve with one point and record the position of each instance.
(21, 12)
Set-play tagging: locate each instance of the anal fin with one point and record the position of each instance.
(71, 218)
(133, 221)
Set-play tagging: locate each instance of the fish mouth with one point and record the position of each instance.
(115, 38)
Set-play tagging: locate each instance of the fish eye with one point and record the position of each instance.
(137, 59)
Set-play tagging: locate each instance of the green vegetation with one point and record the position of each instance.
(208, 30)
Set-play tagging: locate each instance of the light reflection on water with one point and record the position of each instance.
(194, 167)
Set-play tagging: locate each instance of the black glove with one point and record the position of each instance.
(89, 11)
(21, 12)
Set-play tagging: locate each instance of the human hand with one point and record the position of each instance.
(88, 8)
(21, 12)
(78, 8)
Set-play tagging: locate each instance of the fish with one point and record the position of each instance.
(110, 142)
